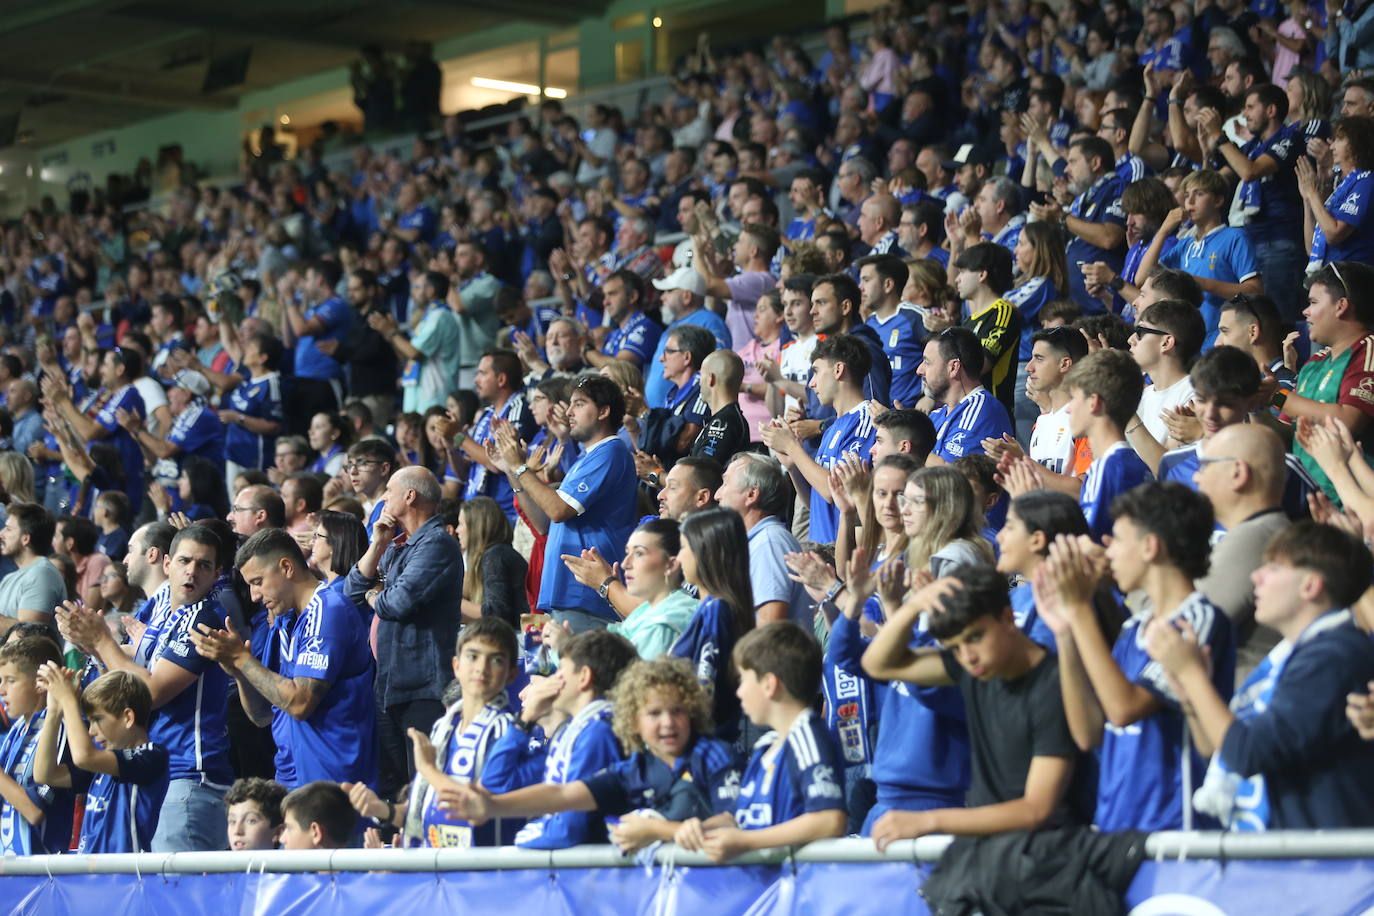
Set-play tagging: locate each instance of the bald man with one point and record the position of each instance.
(878, 220)
(414, 586)
(1242, 470)
(727, 431)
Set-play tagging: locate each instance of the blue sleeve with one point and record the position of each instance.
(818, 782)
(334, 313)
(1306, 715)
(142, 766)
(1112, 212)
(516, 760)
(324, 654)
(587, 482)
(641, 341)
(181, 652)
(846, 646)
(1242, 256)
(724, 783)
(608, 788)
(1355, 207)
(594, 751)
(1172, 256)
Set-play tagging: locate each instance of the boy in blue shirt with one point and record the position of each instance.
(125, 777)
(1115, 697)
(457, 748)
(1286, 757)
(675, 770)
(562, 735)
(1027, 773)
(1104, 391)
(839, 366)
(792, 792)
(34, 818)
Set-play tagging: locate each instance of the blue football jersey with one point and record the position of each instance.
(903, 336)
(1119, 470)
(260, 398)
(961, 429)
(707, 642)
(18, 837)
(122, 811)
(791, 775)
(852, 432)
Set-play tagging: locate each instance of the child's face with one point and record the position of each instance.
(20, 691)
(1126, 553)
(249, 828)
(753, 697)
(569, 672)
(1080, 412)
(984, 647)
(295, 835)
(482, 668)
(1014, 550)
(665, 725)
(111, 729)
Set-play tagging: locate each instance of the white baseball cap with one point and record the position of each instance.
(683, 278)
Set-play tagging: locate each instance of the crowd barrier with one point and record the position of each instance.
(1194, 874)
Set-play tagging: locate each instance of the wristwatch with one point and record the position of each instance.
(834, 590)
(1279, 398)
(1117, 283)
(521, 470)
(605, 588)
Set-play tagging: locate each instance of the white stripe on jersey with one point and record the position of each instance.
(969, 416)
(802, 740)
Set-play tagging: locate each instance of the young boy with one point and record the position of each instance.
(458, 746)
(1164, 345)
(34, 818)
(1104, 389)
(112, 517)
(125, 778)
(317, 816)
(1115, 697)
(675, 770)
(1027, 773)
(791, 793)
(1286, 756)
(255, 820)
(571, 711)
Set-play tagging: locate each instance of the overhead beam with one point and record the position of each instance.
(127, 92)
(313, 37)
(563, 13)
(45, 11)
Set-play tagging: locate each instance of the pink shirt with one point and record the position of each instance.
(756, 409)
(1284, 59)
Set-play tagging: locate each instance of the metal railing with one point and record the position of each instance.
(1170, 846)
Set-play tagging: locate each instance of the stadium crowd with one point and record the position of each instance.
(989, 455)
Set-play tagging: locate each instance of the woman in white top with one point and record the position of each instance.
(943, 522)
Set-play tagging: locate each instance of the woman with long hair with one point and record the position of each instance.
(1034, 520)
(714, 557)
(339, 540)
(655, 608)
(200, 487)
(1043, 272)
(943, 522)
(330, 435)
(494, 584)
(1309, 104)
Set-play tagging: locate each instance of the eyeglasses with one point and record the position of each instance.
(904, 500)
(1143, 331)
(673, 350)
(243, 509)
(315, 536)
(359, 465)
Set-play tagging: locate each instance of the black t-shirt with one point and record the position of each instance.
(1009, 722)
(724, 435)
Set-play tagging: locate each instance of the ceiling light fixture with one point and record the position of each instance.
(483, 82)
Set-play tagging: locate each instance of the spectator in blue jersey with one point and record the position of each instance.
(315, 685)
(1094, 218)
(634, 335)
(790, 793)
(414, 586)
(369, 466)
(1338, 225)
(1247, 495)
(713, 540)
(999, 212)
(1115, 698)
(189, 690)
(1268, 193)
(756, 487)
(254, 412)
(966, 413)
(664, 434)
(124, 777)
(877, 225)
(1104, 391)
(498, 383)
(317, 815)
(684, 293)
(921, 229)
(839, 366)
(807, 196)
(594, 506)
(118, 369)
(1286, 757)
(317, 383)
(1218, 256)
(563, 734)
(196, 429)
(1115, 128)
(836, 308)
(1147, 203)
(675, 770)
(457, 748)
(254, 819)
(1026, 773)
(882, 278)
(1225, 386)
(35, 819)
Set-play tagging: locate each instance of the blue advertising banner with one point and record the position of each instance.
(1170, 888)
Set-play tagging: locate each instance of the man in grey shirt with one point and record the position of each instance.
(35, 588)
(757, 488)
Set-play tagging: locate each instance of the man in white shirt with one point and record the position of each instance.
(1167, 339)
(787, 379)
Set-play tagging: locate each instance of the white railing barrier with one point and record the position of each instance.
(1336, 844)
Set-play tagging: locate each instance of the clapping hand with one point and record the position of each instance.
(811, 571)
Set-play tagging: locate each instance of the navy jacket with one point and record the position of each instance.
(422, 585)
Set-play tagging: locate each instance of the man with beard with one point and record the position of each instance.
(1094, 219)
(633, 334)
(1147, 203)
(967, 413)
(498, 384)
(369, 359)
(594, 507)
(564, 343)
